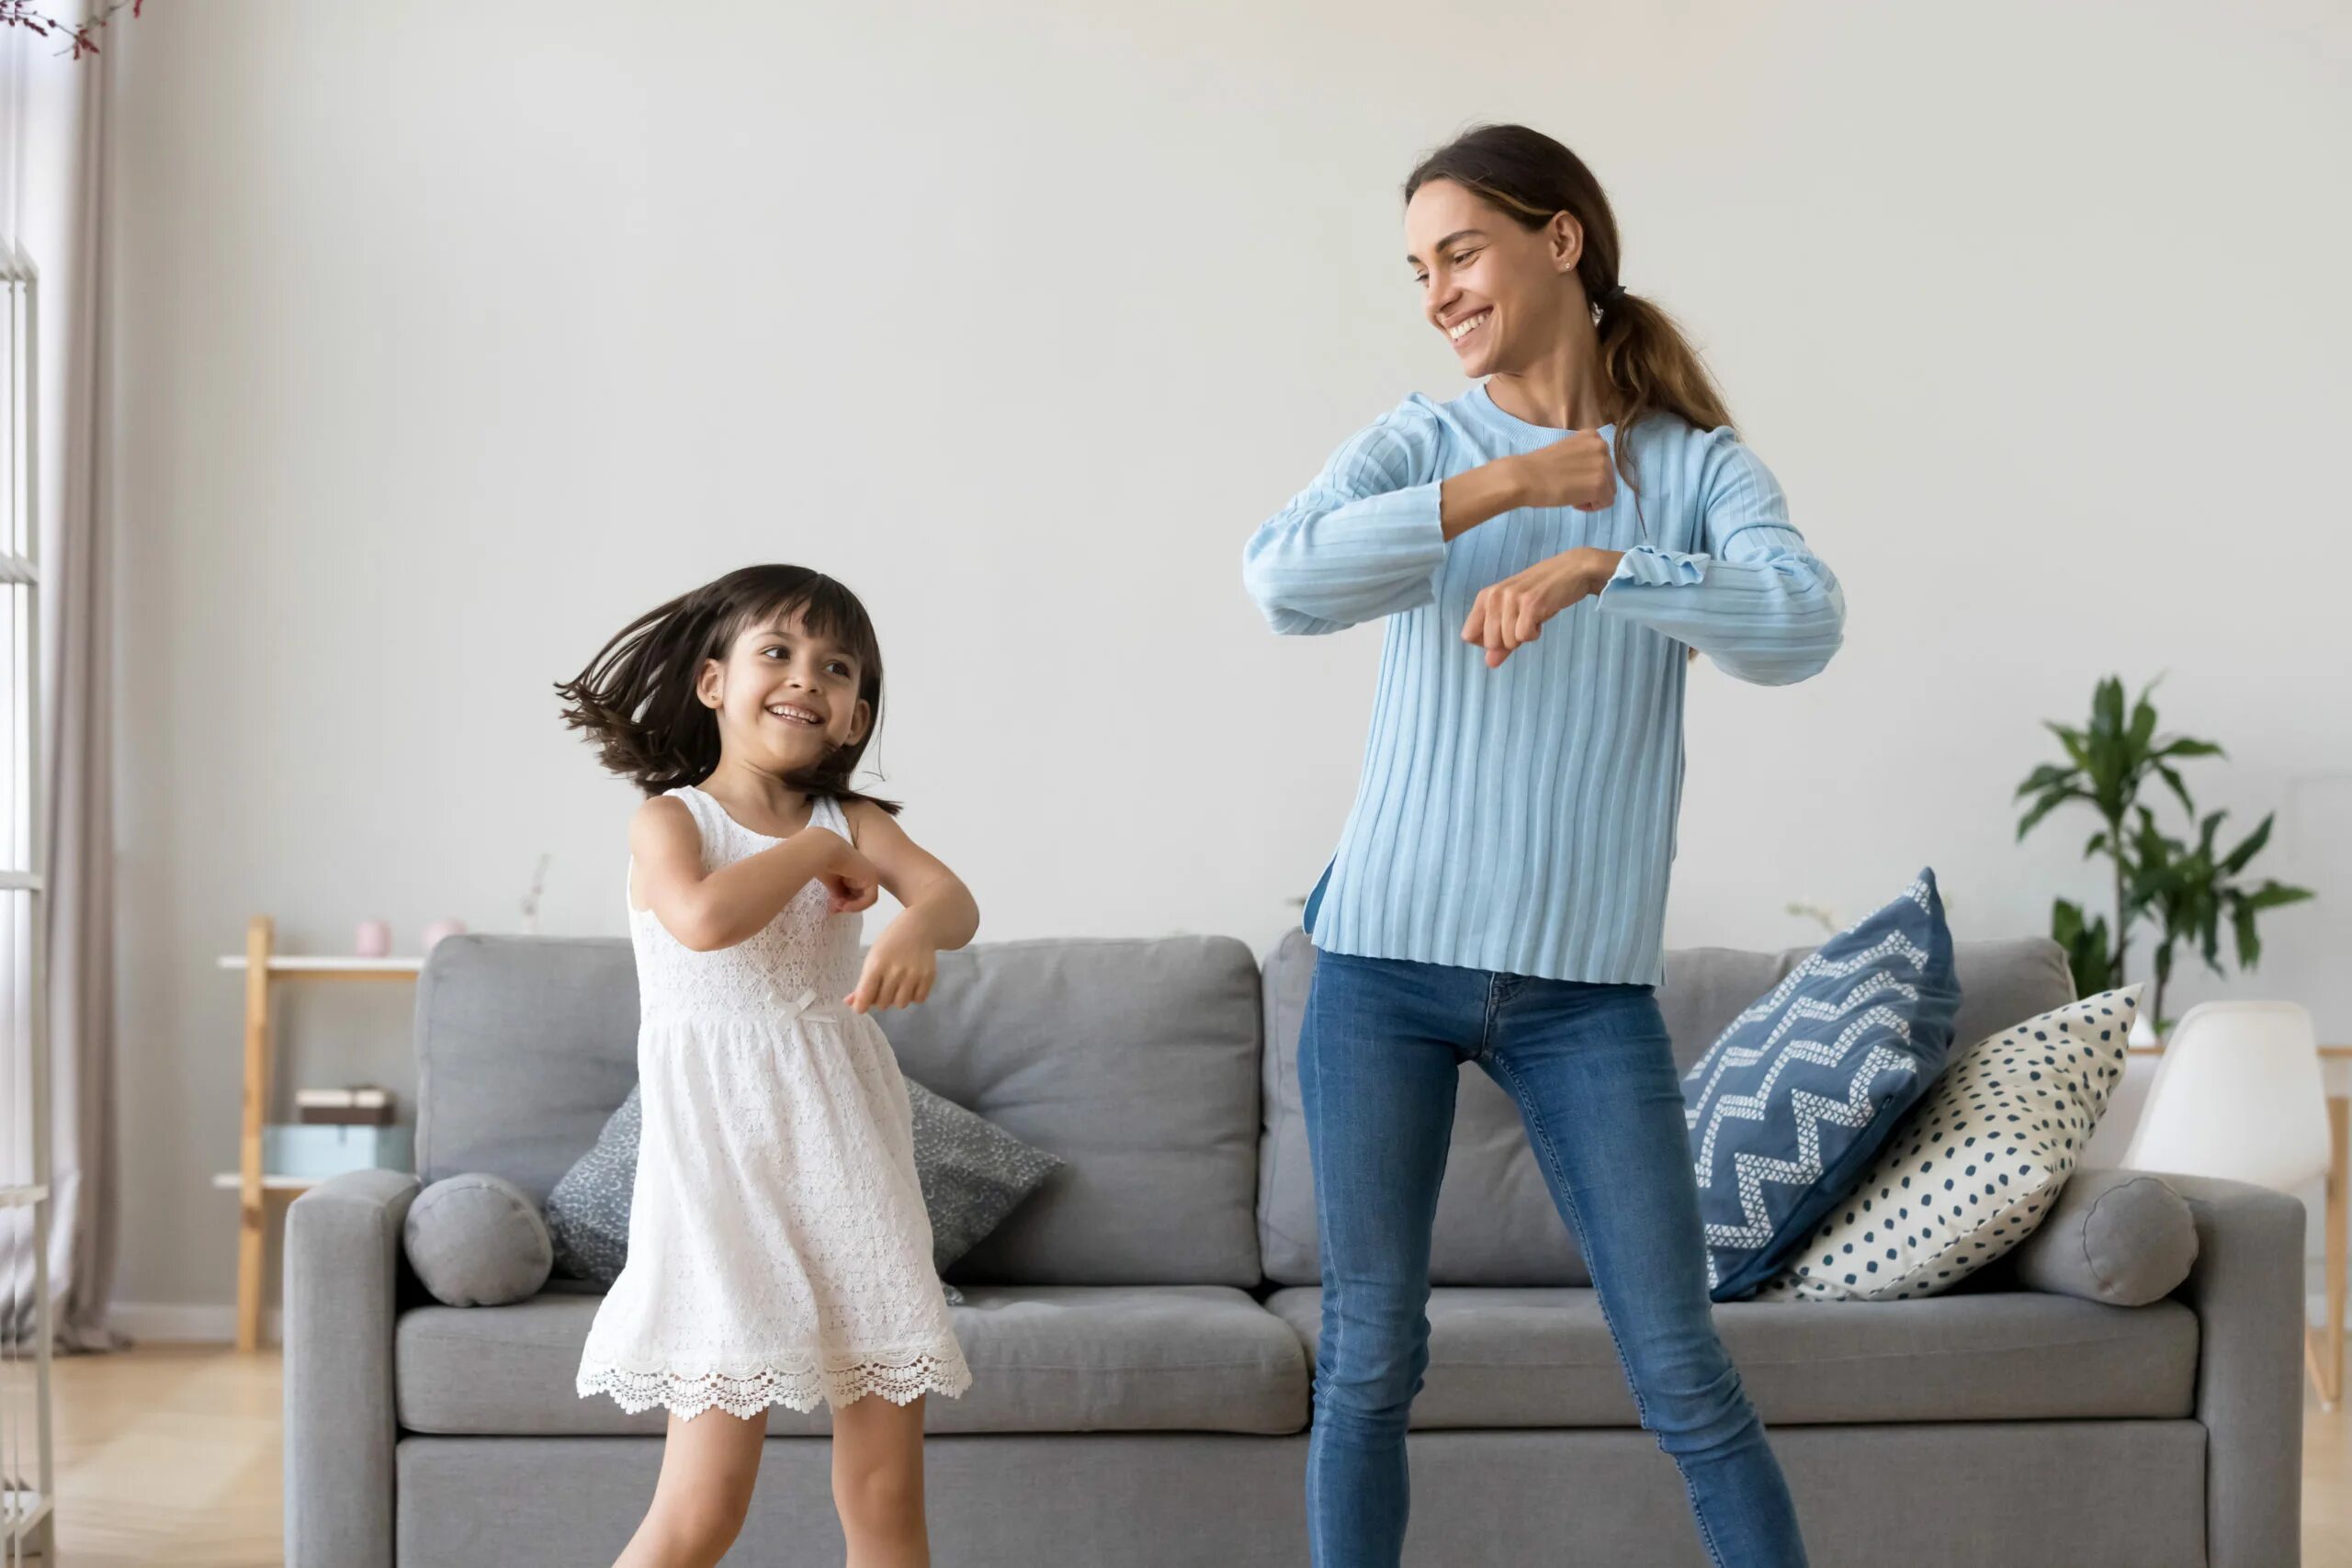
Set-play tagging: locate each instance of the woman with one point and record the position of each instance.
(1546, 548)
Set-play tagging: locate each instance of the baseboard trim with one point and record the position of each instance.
(184, 1323)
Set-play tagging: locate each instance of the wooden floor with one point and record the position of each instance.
(169, 1454)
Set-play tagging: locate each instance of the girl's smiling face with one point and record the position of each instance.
(785, 699)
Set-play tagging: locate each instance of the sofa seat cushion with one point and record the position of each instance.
(1044, 1358)
(1542, 1357)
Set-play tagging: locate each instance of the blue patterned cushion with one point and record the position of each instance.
(1790, 1105)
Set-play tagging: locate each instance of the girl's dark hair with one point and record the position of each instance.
(636, 699)
(1644, 355)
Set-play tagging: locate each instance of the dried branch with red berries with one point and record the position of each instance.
(81, 38)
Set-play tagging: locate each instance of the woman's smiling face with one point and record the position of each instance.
(1496, 288)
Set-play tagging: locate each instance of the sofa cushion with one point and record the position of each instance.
(1795, 1097)
(524, 1047)
(1496, 1224)
(477, 1241)
(1971, 1170)
(2121, 1236)
(1044, 1358)
(588, 1208)
(1136, 1062)
(973, 1173)
(1544, 1358)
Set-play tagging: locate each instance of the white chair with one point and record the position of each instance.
(2238, 1093)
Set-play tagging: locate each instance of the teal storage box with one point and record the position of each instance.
(315, 1150)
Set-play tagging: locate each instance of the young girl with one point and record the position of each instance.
(779, 1253)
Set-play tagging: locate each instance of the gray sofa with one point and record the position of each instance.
(1141, 1331)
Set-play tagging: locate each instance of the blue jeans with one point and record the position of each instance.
(1594, 1077)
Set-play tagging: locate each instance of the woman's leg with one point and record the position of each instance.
(708, 1464)
(1593, 1073)
(877, 1482)
(1376, 1076)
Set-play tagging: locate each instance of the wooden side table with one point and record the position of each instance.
(262, 966)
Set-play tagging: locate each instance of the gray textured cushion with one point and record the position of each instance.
(1496, 1224)
(478, 1241)
(1134, 1061)
(588, 1209)
(2120, 1236)
(972, 1174)
(1044, 1358)
(1544, 1358)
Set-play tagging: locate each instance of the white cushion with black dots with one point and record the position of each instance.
(1976, 1164)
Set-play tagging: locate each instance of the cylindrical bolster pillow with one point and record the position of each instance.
(2120, 1236)
(478, 1241)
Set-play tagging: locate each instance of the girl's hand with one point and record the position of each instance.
(1510, 613)
(849, 898)
(899, 968)
(848, 875)
(1576, 470)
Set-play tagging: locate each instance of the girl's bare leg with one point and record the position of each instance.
(707, 1467)
(877, 1482)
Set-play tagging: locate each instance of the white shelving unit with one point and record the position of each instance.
(281, 964)
(27, 1461)
(230, 1181)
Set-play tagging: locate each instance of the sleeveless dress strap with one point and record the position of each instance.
(707, 814)
(827, 813)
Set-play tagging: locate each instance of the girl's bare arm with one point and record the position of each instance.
(708, 911)
(940, 913)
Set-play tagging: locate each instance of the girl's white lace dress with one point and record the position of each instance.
(778, 1251)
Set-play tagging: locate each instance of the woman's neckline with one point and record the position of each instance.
(1512, 420)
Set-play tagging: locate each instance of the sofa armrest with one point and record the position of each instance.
(342, 1270)
(2247, 1291)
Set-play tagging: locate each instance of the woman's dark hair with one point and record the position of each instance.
(1644, 355)
(636, 699)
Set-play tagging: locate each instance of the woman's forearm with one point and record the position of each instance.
(1768, 614)
(1475, 495)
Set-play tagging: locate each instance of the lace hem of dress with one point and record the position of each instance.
(899, 1378)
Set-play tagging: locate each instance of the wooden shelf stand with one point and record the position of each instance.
(261, 965)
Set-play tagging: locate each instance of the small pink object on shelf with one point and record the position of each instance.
(373, 940)
(440, 928)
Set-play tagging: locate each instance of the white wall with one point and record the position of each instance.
(452, 335)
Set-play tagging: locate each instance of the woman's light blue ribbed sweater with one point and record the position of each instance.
(1523, 820)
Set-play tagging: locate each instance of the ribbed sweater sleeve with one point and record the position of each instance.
(1757, 601)
(1362, 541)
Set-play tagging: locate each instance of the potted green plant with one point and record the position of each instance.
(2186, 891)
